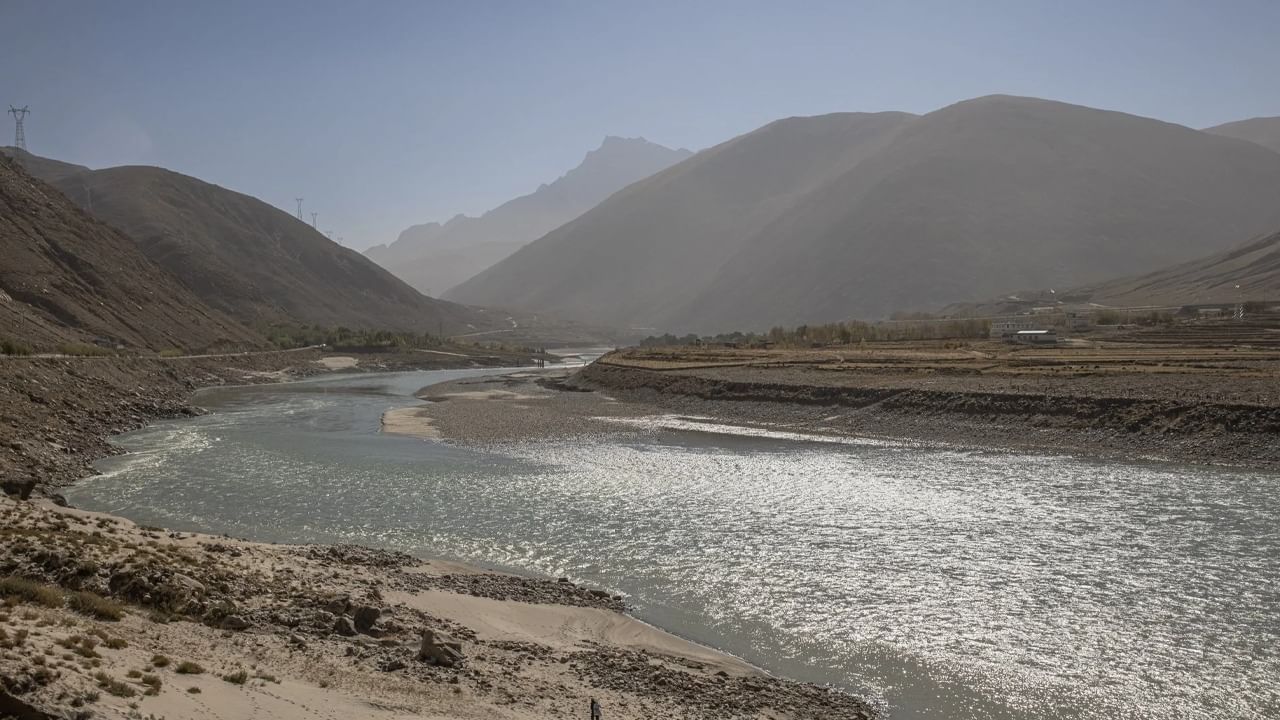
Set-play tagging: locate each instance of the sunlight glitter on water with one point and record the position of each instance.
(951, 584)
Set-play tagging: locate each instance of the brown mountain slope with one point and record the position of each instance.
(1264, 131)
(639, 256)
(979, 198)
(253, 261)
(995, 194)
(65, 277)
(434, 257)
(1248, 272)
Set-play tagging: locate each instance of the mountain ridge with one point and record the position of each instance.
(248, 259)
(68, 278)
(433, 257)
(1264, 131)
(663, 207)
(976, 198)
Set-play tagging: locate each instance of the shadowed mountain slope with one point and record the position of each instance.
(66, 277)
(435, 257)
(251, 260)
(978, 198)
(640, 256)
(1264, 131)
(1248, 272)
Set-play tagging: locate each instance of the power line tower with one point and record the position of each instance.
(299, 207)
(313, 221)
(19, 135)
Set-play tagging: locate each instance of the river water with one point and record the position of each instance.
(946, 584)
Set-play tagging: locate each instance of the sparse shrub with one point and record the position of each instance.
(153, 684)
(113, 643)
(30, 591)
(94, 605)
(186, 667)
(193, 690)
(260, 675)
(113, 686)
(83, 350)
(82, 646)
(159, 661)
(134, 674)
(236, 678)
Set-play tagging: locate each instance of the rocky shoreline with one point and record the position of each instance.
(104, 618)
(57, 414)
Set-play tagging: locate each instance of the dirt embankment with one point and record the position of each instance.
(1056, 414)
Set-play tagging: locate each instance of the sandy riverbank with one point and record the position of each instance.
(530, 405)
(1121, 403)
(295, 632)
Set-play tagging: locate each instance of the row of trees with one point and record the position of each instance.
(342, 338)
(841, 333)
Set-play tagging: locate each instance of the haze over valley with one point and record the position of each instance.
(435, 257)
(906, 361)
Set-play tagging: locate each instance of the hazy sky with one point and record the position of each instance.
(384, 114)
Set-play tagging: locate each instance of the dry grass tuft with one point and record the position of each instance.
(94, 605)
(30, 591)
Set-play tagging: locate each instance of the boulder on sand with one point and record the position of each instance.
(438, 651)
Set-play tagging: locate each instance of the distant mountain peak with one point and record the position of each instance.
(434, 257)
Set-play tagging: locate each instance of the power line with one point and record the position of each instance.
(299, 207)
(313, 221)
(19, 135)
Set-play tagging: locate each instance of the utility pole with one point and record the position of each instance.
(313, 221)
(299, 207)
(19, 135)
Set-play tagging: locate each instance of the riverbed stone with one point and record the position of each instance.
(364, 617)
(344, 627)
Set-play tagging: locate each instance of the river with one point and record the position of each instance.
(945, 583)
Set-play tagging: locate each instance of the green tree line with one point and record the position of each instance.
(840, 333)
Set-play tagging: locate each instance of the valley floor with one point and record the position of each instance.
(105, 618)
(1119, 400)
(1127, 400)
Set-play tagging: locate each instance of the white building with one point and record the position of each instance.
(1035, 337)
(1004, 327)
